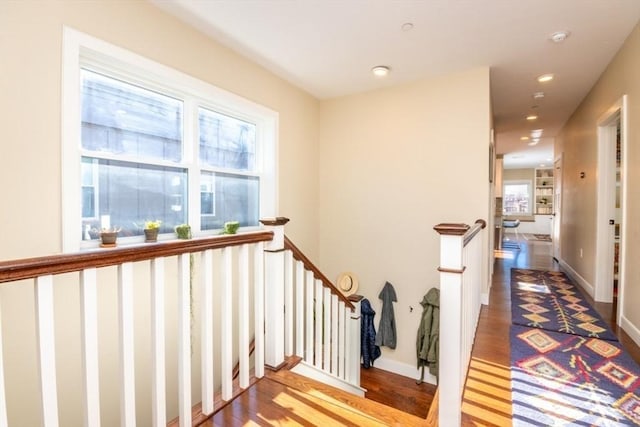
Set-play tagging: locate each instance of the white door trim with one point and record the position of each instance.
(606, 179)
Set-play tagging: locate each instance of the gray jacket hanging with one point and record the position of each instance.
(387, 328)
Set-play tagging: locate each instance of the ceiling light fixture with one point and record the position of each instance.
(534, 142)
(545, 78)
(532, 117)
(407, 26)
(380, 70)
(536, 133)
(538, 95)
(559, 36)
(524, 138)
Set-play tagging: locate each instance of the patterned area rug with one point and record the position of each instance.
(563, 379)
(549, 300)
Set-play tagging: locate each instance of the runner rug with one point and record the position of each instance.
(549, 300)
(564, 379)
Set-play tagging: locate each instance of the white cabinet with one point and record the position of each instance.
(544, 191)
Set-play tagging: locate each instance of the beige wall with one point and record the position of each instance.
(394, 163)
(578, 145)
(30, 112)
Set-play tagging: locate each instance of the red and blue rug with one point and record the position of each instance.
(566, 379)
(549, 300)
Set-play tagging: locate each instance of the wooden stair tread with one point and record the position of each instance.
(374, 411)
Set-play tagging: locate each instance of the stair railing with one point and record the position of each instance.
(320, 324)
(166, 293)
(463, 277)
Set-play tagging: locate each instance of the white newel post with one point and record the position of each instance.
(274, 292)
(451, 270)
(353, 358)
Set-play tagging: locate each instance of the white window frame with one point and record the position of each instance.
(80, 50)
(529, 183)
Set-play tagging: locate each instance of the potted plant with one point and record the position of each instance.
(109, 236)
(183, 231)
(151, 229)
(230, 227)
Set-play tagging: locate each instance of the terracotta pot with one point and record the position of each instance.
(151, 234)
(109, 238)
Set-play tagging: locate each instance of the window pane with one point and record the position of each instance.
(131, 193)
(226, 142)
(121, 118)
(516, 199)
(234, 198)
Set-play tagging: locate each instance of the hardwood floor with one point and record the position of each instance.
(397, 391)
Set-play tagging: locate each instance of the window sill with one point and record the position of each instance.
(522, 218)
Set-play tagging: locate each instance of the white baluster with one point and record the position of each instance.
(89, 331)
(319, 324)
(258, 259)
(226, 325)
(127, 371)
(299, 309)
(288, 303)
(341, 338)
(206, 329)
(350, 352)
(326, 329)
(309, 317)
(3, 396)
(334, 334)
(243, 315)
(158, 378)
(184, 339)
(46, 349)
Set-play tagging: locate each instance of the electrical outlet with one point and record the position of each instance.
(580, 252)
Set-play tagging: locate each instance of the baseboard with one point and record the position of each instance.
(484, 298)
(404, 369)
(577, 278)
(314, 373)
(630, 329)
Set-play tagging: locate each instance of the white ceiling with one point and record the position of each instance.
(328, 47)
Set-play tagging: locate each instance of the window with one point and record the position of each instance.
(516, 199)
(154, 144)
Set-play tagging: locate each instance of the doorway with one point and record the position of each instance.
(610, 227)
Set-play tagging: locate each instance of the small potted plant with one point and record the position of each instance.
(230, 227)
(151, 229)
(183, 231)
(109, 236)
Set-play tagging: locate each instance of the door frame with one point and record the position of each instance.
(606, 181)
(557, 207)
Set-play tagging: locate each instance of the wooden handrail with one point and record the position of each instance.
(298, 255)
(30, 268)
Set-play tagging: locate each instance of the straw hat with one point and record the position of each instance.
(347, 283)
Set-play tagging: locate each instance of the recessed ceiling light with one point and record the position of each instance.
(538, 95)
(548, 160)
(380, 70)
(524, 138)
(407, 26)
(532, 143)
(532, 117)
(559, 36)
(536, 133)
(545, 78)
(541, 165)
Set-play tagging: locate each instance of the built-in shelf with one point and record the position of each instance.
(544, 191)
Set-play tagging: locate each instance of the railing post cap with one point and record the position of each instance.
(452, 229)
(274, 221)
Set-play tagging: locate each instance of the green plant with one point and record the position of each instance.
(230, 227)
(152, 224)
(183, 231)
